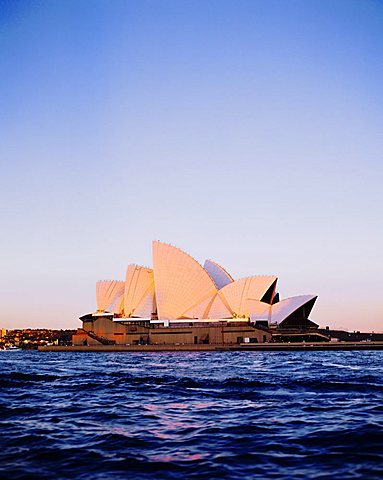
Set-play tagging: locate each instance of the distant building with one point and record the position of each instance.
(181, 301)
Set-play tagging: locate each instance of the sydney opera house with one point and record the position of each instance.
(181, 302)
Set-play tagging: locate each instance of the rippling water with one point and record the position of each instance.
(191, 415)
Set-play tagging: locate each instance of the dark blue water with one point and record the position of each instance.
(200, 415)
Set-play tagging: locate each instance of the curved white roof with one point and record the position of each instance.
(219, 308)
(109, 295)
(281, 310)
(139, 292)
(201, 309)
(258, 309)
(181, 283)
(180, 288)
(219, 275)
(236, 294)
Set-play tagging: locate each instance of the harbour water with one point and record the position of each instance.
(202, 415)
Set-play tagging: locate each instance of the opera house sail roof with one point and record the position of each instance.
(183, 287)
(109, 295)
(179, 288)
(218, 274)
(139, 300)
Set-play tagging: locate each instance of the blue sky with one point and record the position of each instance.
(249, 132)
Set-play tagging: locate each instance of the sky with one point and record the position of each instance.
(248, 132)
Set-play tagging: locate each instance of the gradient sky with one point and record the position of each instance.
(249, 132)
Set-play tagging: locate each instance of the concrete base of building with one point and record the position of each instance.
(304, 346)
(219, 348)
(130, 348)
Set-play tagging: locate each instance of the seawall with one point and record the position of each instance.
(325, 346)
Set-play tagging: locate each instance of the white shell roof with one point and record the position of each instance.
(109, 295)
(219, 308)
(218, 274)
(235, 295)
(278, 312)
(139, 291)
(257, 308)
(181, 283)
(201, 309)
(179, 287)
(281, 310)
